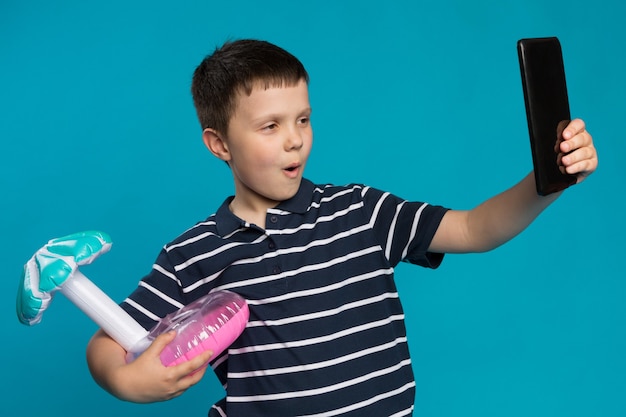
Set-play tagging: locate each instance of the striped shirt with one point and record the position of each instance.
(326, 335)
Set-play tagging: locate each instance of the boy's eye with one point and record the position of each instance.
(303, 121)
(269, 127)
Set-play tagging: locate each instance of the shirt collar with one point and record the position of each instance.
(226, 222)
(300, 202)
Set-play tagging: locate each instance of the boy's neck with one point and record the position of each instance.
(251, 214)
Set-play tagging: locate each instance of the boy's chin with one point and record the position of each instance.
(286, 193)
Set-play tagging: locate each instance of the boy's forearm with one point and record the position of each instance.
(104, 355)
(504, 216)
(492, 223)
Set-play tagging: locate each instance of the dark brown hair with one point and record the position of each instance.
(237, 67)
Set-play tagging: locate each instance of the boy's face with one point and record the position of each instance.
(267, 145)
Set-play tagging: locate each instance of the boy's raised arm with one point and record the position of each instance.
(145, 379)
(504, 216)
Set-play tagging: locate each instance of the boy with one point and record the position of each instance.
(326, 334)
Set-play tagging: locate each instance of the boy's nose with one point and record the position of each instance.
(293, 139)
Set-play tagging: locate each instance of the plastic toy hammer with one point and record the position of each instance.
(212, 322)
(55, 268)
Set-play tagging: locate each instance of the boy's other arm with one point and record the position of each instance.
(504, 216)
(145, 379)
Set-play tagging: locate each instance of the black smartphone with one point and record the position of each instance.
(547, 109)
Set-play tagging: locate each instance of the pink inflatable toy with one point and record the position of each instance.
(212, 322)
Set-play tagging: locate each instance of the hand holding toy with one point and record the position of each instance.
(212, 322)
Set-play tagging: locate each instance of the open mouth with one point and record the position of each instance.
(292, 167)
(292, 171)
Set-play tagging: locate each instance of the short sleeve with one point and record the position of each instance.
(404, 228)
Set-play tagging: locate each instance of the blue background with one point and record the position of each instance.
(419, 98)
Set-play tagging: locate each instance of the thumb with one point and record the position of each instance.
(160, 343)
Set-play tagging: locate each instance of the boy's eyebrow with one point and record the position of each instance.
(307, 111)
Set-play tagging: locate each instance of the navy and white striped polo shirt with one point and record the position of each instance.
(326, 334)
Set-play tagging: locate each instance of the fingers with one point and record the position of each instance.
(581, 162)
(152, 355)
(196, 365)
(188, 373)
(578, 154)
(575, 136)
(574, 127)
(160, 342)
(147, 380)
(167, 382)
(191, 372)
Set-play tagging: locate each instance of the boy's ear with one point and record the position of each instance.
(214, 142)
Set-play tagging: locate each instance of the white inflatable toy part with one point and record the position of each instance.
(116, 322)
(212, 322)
